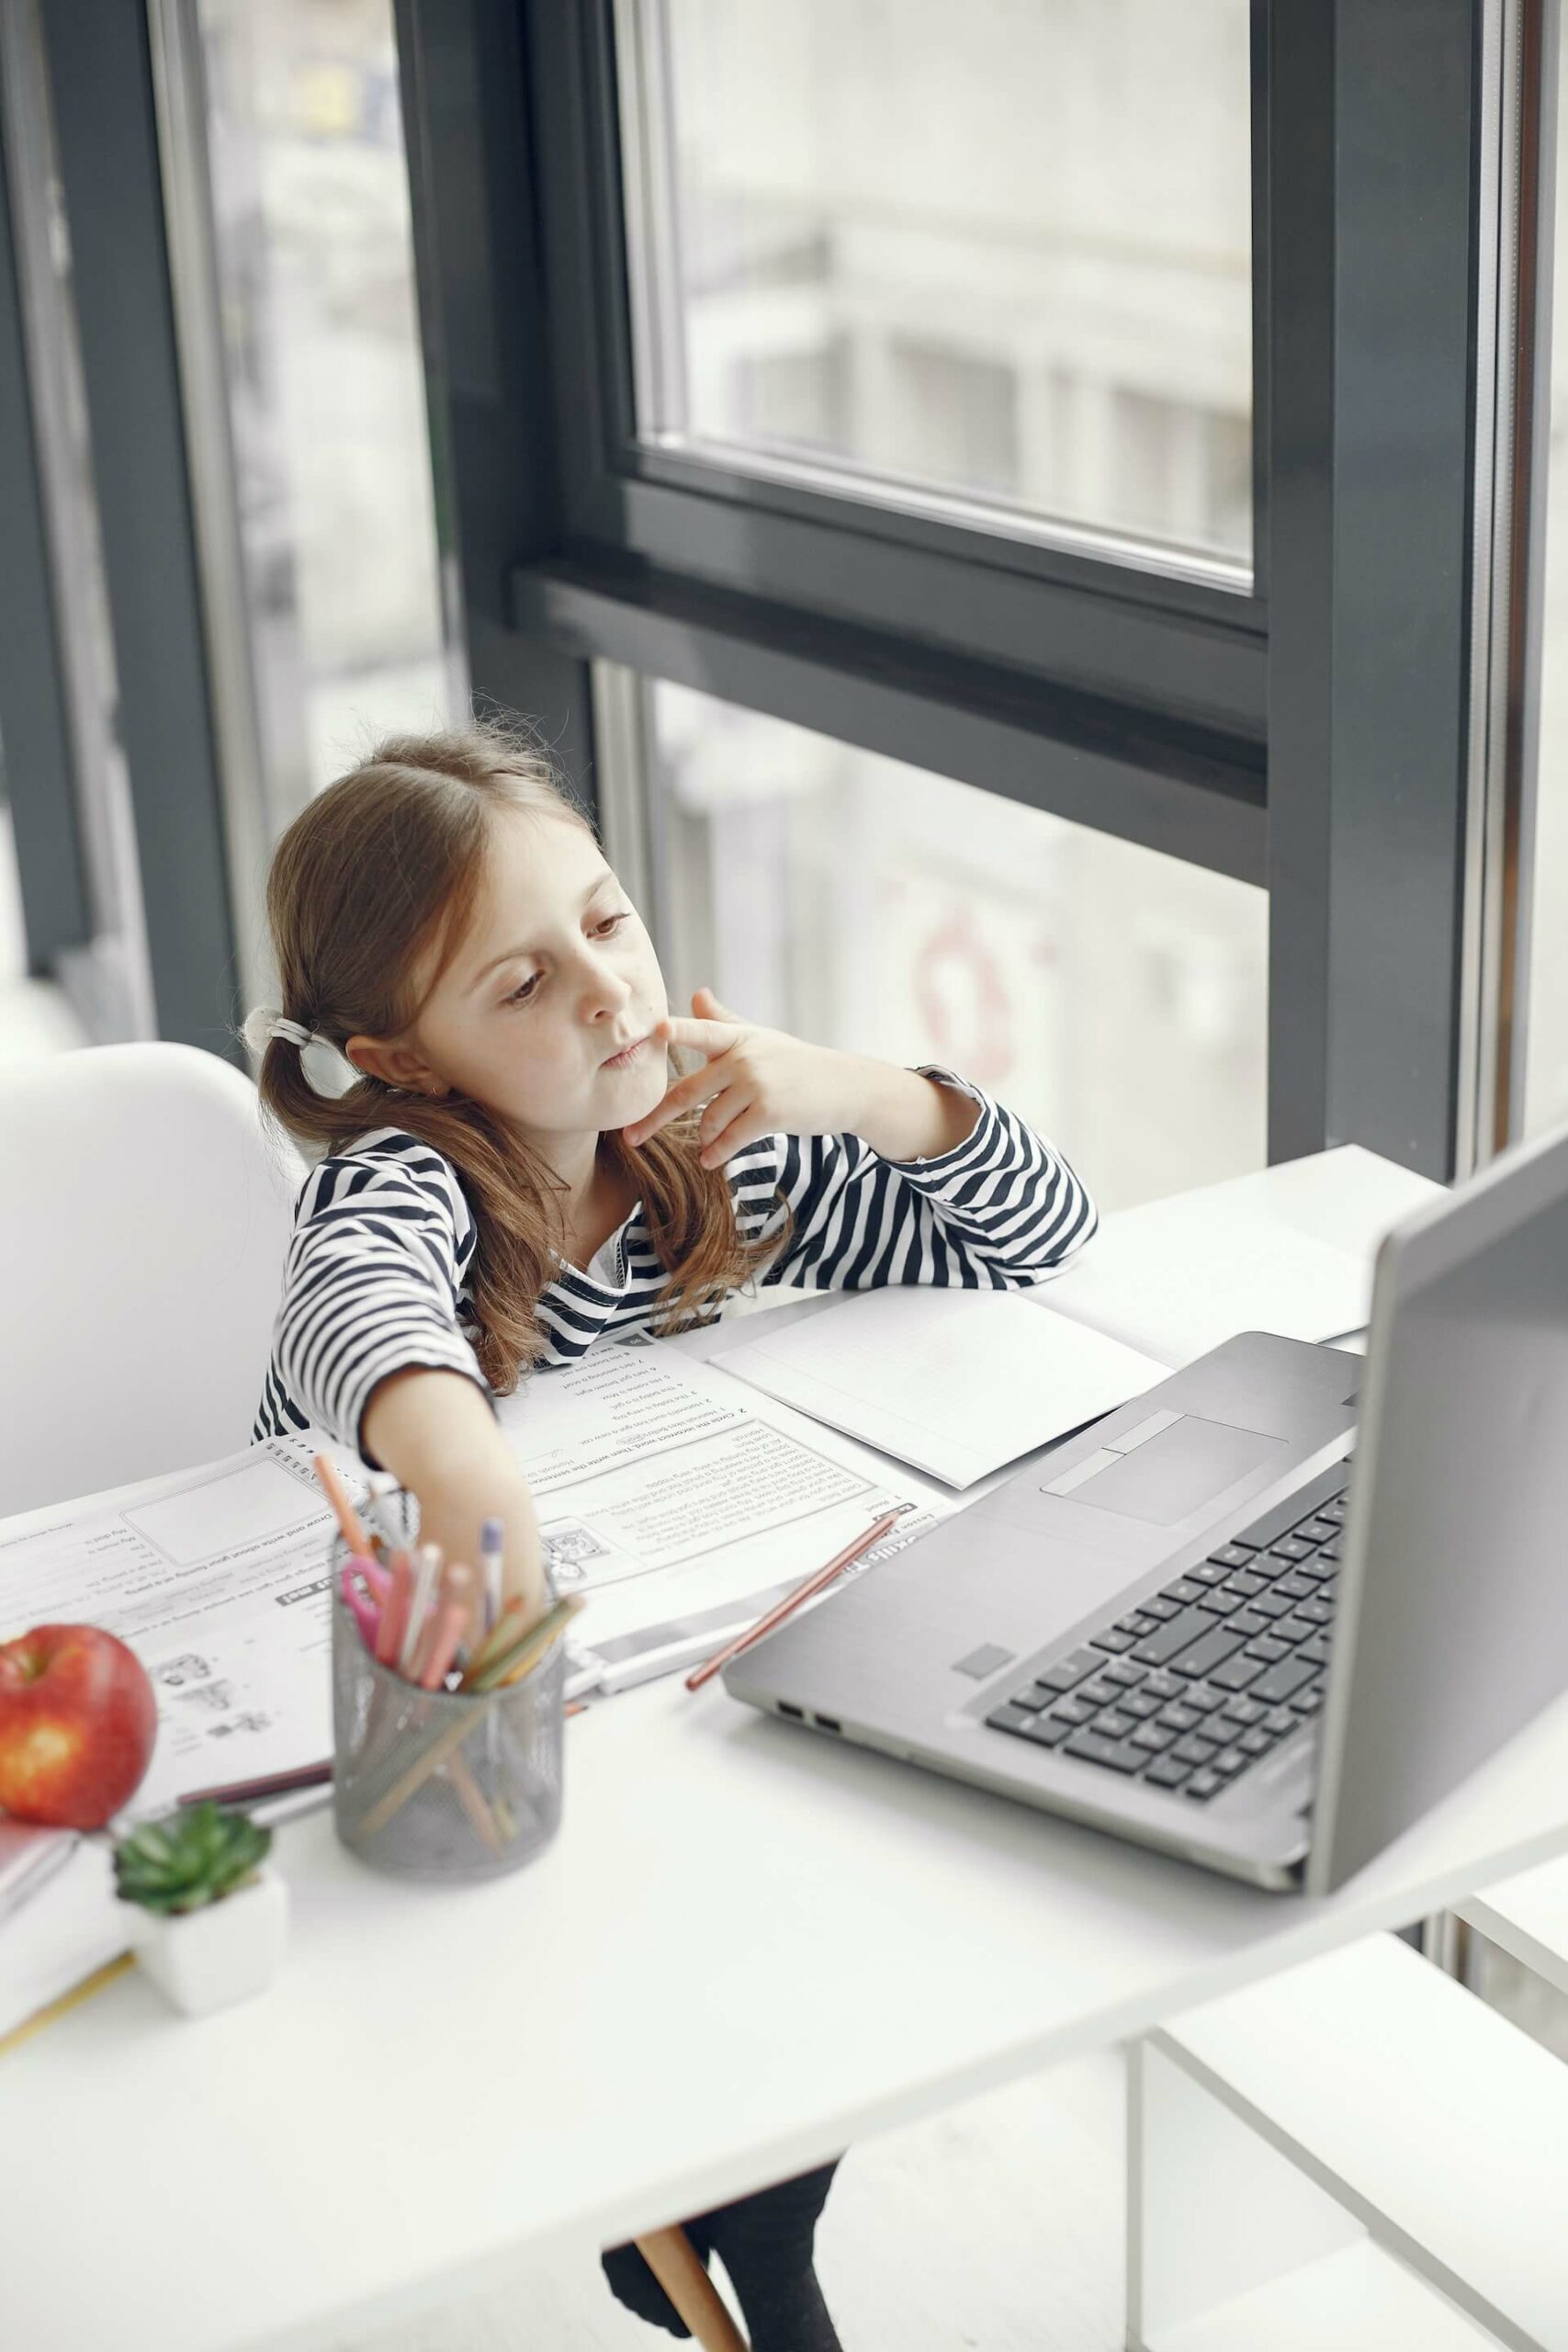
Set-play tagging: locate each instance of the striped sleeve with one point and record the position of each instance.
(382, 1239)
(996, 1213)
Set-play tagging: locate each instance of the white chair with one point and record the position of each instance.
(144, 1214)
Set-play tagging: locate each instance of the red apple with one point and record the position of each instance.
(78, 1720)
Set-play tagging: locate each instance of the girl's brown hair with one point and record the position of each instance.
(379, 872)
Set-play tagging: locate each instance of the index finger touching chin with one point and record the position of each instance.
(709, 1037)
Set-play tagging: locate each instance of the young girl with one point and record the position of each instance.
(515, 1176)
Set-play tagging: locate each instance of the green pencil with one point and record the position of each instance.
(489, 1673)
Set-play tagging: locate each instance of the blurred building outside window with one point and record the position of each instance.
(351, 606)
(1114, 996)
(1000, 255)
(101, 991)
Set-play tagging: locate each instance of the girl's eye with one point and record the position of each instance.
(605, 928)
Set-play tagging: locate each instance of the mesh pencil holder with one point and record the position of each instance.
(446, 1786)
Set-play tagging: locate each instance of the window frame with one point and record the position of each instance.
(1170, 645)
(1045, 547)
(1252, 735)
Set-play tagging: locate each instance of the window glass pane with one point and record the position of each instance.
(326, 392)
(1546, 980)
(1113, 997)
(999, 253)
(99, 990)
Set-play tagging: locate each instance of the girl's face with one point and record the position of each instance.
(545, 1012)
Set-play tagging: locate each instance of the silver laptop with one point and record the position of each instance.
(1192, 1626)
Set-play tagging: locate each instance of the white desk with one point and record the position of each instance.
(747, 1948)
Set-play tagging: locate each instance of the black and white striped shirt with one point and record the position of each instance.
(377, 1275)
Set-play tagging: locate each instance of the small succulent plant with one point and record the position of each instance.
(192, 1857)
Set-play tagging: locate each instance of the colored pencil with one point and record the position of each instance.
(499, 1662)
(266, 1785)
(817, 1582)
(337, 1494)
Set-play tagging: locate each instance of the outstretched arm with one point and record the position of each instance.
(370, 1344)
(438, 1437)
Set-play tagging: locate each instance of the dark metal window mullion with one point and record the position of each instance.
(1374, 129)
(100, 71)
(467, 95)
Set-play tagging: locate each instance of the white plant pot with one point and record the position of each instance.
(226, 1952)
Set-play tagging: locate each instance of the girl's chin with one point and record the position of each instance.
(635, 1089)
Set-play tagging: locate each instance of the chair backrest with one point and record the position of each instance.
(145, 1215)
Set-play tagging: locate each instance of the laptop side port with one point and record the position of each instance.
(796, 1715)
(826, 1723)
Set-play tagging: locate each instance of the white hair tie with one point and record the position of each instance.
(264, 1025)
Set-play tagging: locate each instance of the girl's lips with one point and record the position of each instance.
(627, 1055)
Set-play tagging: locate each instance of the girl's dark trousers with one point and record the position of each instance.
(765, 2243)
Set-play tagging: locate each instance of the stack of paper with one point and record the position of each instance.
(29, 1859)
(75, 1926)
(1178, 1277)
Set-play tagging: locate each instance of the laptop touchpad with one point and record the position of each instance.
(1176, 1473)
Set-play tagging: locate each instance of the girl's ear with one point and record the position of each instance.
(396, 1065)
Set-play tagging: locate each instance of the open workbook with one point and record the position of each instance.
(959, 1382)
(676, 1501)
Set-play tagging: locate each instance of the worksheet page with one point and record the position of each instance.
(666, 1489)
(670, 1499)
(217, 1579)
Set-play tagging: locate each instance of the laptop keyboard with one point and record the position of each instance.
(1206, 1675)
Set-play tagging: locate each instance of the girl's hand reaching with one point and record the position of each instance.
(762, 1081)
(439, 1438)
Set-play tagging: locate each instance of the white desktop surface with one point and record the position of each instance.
(748, 1947)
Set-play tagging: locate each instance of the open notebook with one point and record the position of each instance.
(960, 1382)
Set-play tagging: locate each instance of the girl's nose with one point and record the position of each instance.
(603, 992)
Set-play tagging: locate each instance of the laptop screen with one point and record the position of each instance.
(1452, 1621)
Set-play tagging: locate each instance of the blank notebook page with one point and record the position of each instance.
(957, 1382)
(1178, 1277)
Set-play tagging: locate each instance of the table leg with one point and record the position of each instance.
(1212, 2211)
(673, 2260)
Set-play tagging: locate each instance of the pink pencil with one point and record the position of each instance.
(364, 1616)
(377, 1577)
(395, 1615)
(336, 1493)
(817, 1582)
(449, 1624)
